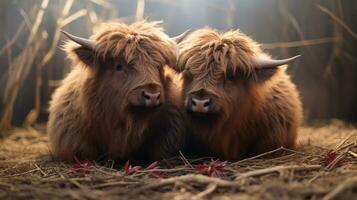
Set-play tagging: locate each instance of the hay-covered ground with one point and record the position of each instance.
(324, 166)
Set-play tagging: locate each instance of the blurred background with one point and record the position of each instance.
(324, 32)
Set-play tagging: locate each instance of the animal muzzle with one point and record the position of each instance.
(200, 105)
(151, 99)
(197, 103)
(148, 96)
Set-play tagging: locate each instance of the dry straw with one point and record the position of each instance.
(314, 170)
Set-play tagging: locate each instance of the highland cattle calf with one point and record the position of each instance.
(240, 101)
(119, 99)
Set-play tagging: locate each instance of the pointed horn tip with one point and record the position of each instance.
(81, 41)
(288, 60)
(187, 31)
(295, 57)
(180, 37)
(64, 32)
(269, 63)
(68, 35)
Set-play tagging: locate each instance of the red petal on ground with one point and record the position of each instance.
(153, 165)
(128, 169)
(81, 164)
(215, 168)
(126, 166)
(331, 157)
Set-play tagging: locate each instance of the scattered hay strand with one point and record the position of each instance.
(210, 188)
(279, 169)
(353, 154)
(196, 178)
(301, 172)
(351, 182)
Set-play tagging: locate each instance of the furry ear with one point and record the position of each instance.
(262, 75)
(85, 55)
(170, 57)
(176, 67)
(85, 52)
(255, 75)
(180, 64)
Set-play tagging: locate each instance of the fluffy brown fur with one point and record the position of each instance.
(94, 113)
(253, 110)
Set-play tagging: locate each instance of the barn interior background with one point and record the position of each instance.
(322, 31)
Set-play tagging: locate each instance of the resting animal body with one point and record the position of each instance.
(120, 99)
(240, 101)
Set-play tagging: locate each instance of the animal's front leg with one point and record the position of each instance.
(165, 137)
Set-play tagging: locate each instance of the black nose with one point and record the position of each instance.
(151, 99)
(200, 105)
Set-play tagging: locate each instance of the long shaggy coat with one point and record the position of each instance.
(255, 109)
(92, 113)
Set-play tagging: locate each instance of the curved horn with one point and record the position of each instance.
(82, 41)
(180, 37)
(270, 63)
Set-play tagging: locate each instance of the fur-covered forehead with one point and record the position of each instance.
(208, 52)
(141, 42)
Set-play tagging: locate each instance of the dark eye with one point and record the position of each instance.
(230, 77)
(119, 67)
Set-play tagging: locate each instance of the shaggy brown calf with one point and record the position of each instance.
(119, 99)
(240, 101)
